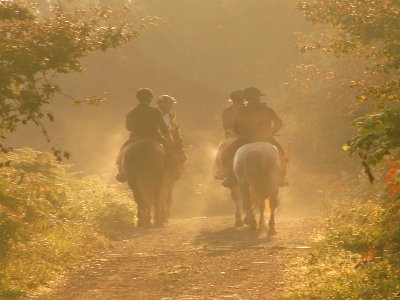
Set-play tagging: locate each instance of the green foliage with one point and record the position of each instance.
(379, 136)
(50, 218)
(351, 258)
(357, 255)
(368, 27)
(34, 50)
(371, 30)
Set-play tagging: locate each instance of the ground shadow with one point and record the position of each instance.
(231, 239)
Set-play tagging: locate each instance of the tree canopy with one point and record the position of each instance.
(368, 30)
(35, 49)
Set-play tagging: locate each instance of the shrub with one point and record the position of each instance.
(51, 218)
(353, 257)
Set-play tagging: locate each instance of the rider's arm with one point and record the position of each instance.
(277, 122)
(129, 122)
(164, 128)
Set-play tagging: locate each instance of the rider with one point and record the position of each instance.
(256, 122)
(236, 101)
(144, 121)
(223, 162)
(164, 104)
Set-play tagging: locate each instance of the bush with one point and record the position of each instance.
(51, 218)
(352, 257)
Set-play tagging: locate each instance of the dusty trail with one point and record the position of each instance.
(201, 258)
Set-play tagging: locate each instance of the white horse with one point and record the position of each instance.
(256, 166)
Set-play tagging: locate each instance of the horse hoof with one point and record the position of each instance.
(272, 231)
(158, 225)
(246, 221)
(253, 227)
(262, 228)
(239, 223)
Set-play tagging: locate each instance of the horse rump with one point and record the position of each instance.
(256, 167)
(145, 163)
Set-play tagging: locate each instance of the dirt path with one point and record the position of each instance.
(200, 258)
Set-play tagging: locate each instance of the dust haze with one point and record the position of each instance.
(199, 52)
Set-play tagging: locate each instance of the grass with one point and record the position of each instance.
(50, 219)
(352, 257)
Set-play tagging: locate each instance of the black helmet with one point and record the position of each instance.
(144, 94)
(236, 96)
(251, 92)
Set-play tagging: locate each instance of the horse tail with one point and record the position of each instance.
(262, 178)
(257, 165)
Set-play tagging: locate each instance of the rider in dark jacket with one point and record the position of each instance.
(256, 122)
(144, 121)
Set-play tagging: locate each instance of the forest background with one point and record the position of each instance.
(200, 51)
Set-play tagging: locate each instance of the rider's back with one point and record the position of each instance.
(254, 122)
(144, 120)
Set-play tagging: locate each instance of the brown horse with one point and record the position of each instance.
(145, 165)
(256, 167)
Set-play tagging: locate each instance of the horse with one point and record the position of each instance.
(256, 166)
(145, 166)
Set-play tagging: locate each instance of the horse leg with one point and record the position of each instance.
(235, 194)
(163, 199)
(139, 207)
(169, 189)
(273, 204)
(139, 215)
(143, 216)
(159, 206)
(262, 226)
(249, 207)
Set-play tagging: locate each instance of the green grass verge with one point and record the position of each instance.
(50, 219)
(353, 257)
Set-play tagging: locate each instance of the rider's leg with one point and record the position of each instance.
(121, 176)
(227, 161)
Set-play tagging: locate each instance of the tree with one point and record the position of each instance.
(370, 30)
(35, 49)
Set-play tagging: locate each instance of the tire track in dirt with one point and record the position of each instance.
(190, 259)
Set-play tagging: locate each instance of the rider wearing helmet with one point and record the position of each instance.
(164, 104)
(236, 101)
(144, 121)
(225, 152)
(256, 122)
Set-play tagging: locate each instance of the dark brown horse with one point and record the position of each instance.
(256, 167)
(145, 165)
